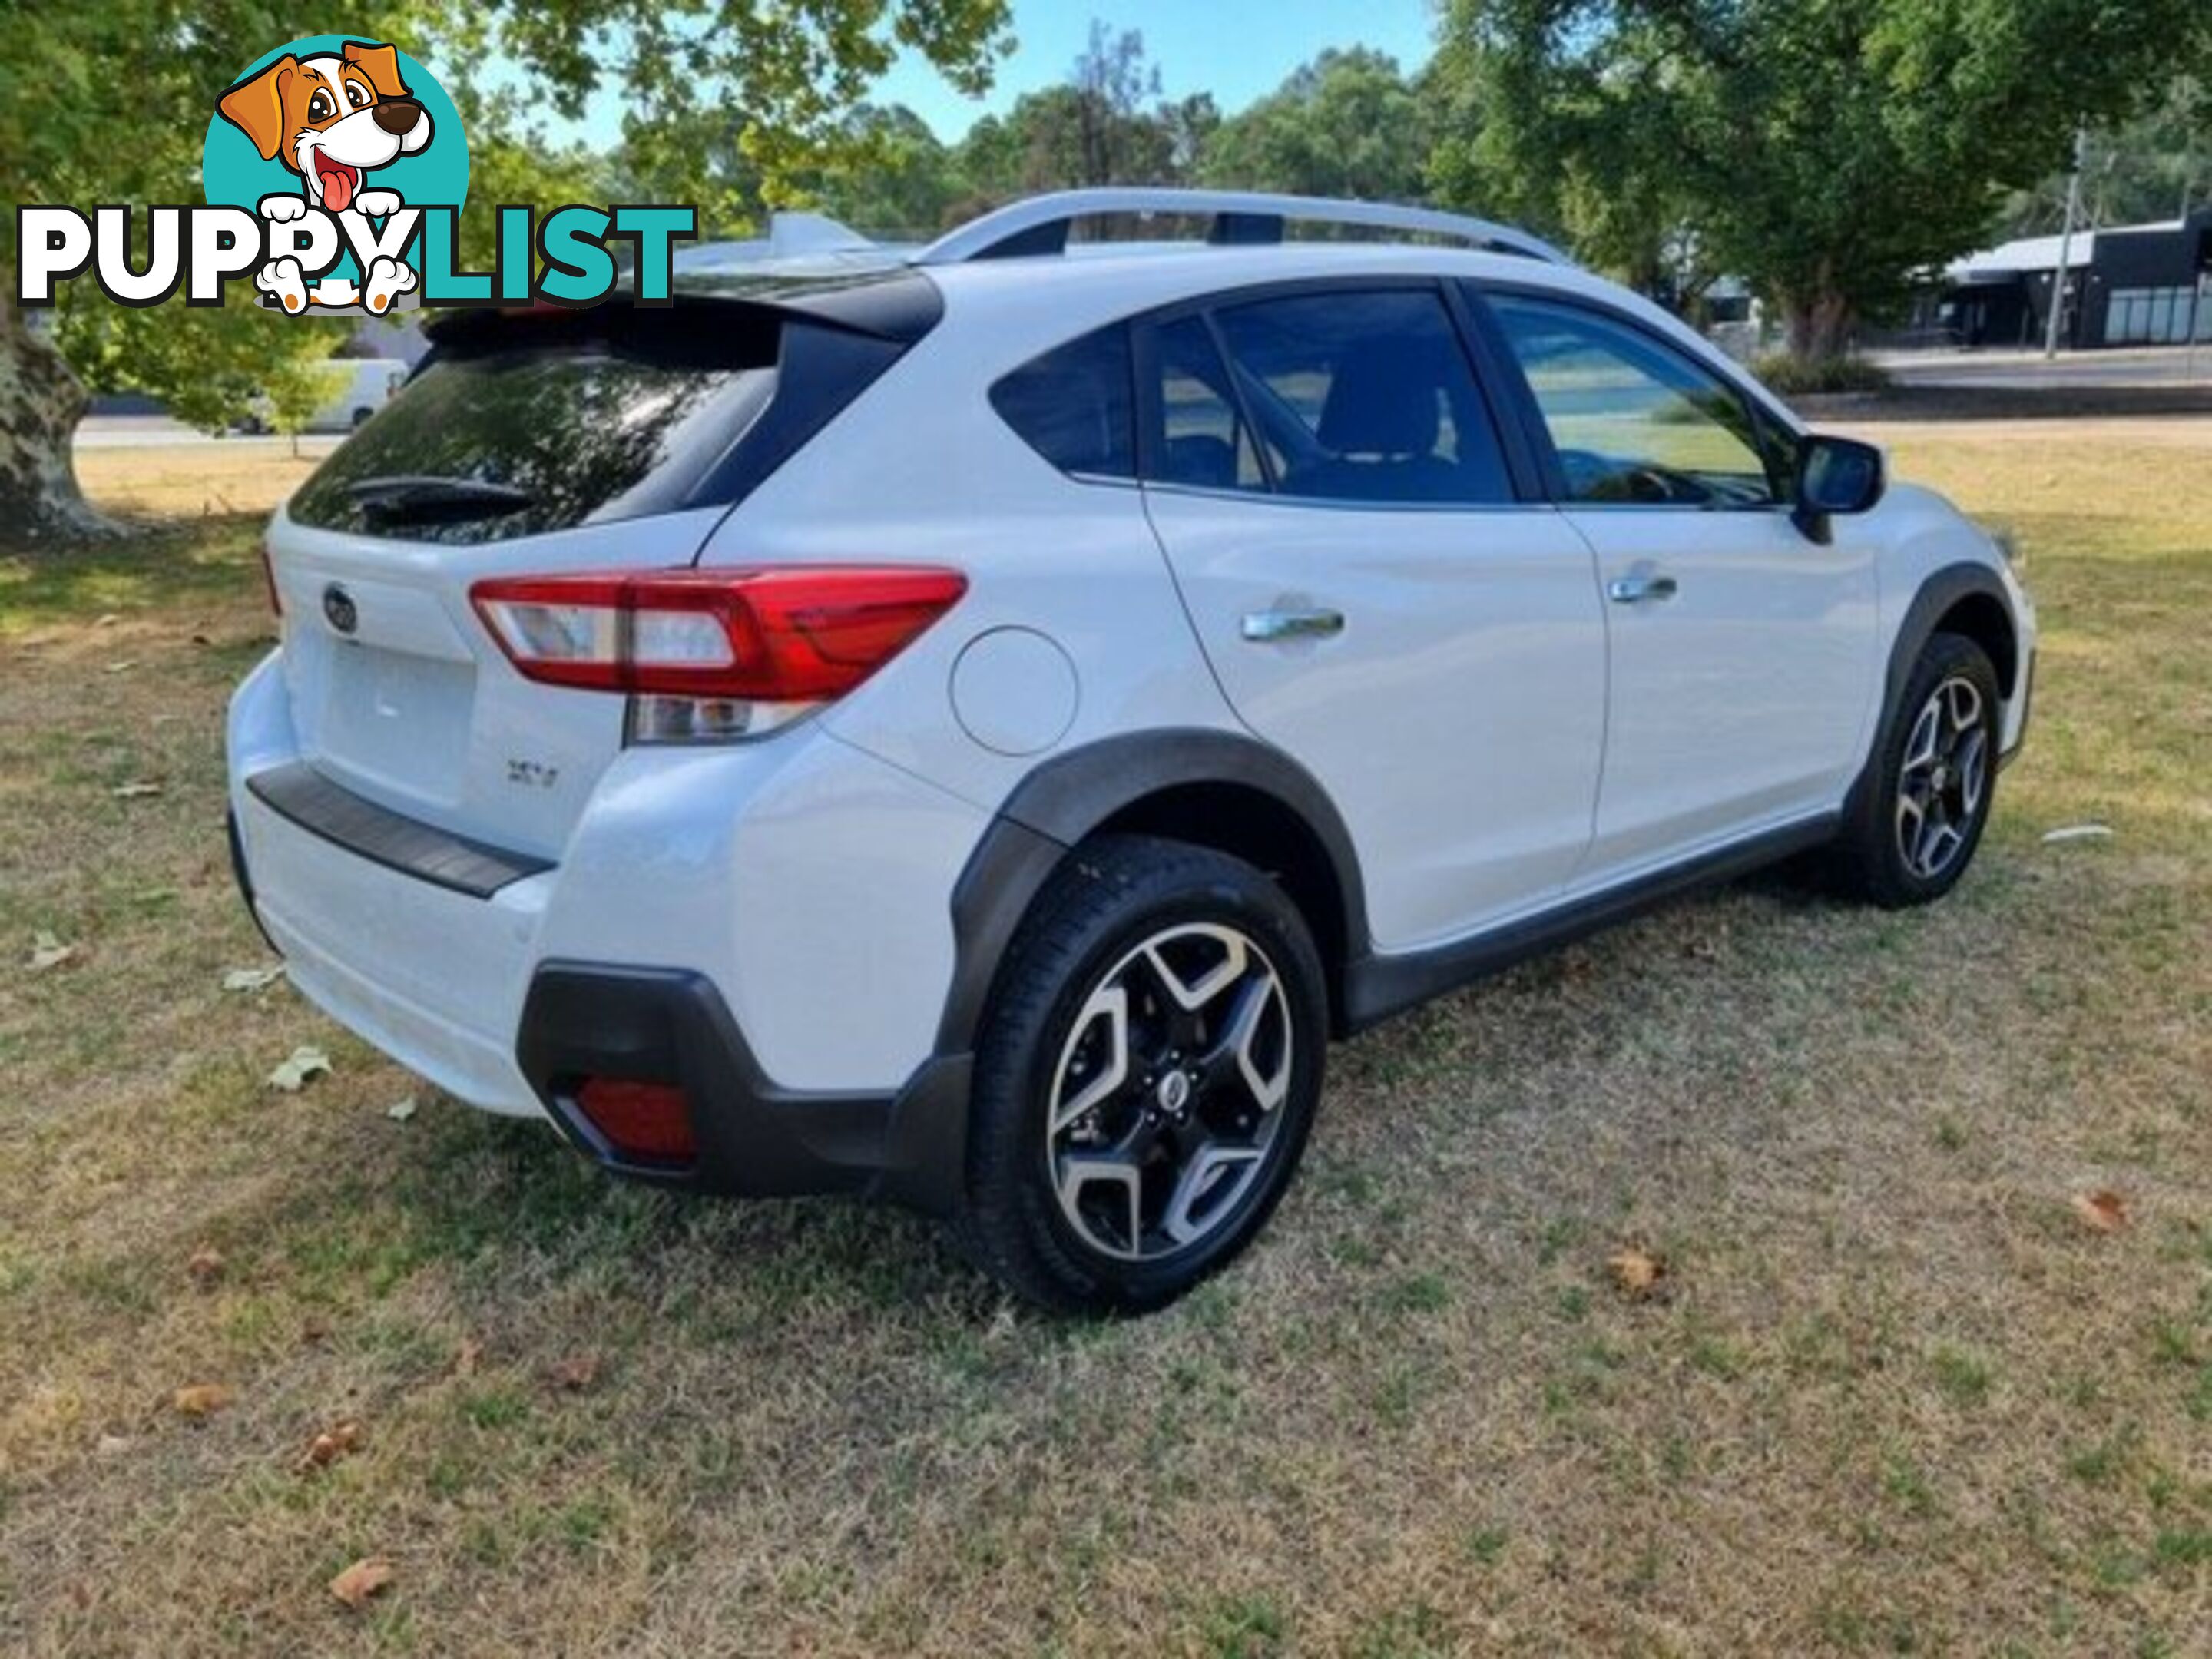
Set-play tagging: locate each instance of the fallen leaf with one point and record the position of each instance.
(469, 1358)
(112, 1445)
(2103, 1211)
(48, 951)
(252, 979)
(2077, 832)
(577, 1371)
(400, 1111)
(1636, 1272)
(292, 1074)
(205, 1264)
(133, 791)
(314, 1328)
(332, 1443)
(361, 1580)
(123, 667)
(106, 619)
(201, 1399)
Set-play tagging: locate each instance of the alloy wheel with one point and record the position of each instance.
(1943, 780)
(1163, 1113)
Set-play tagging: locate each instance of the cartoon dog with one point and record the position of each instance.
(330, 118)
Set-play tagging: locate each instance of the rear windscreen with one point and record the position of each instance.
(550, 422)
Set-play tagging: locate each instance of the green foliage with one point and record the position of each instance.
(2158, 165)
(1348, 123)
(774, 79)
(1798, 377)
(1829, 149)
(298, 388)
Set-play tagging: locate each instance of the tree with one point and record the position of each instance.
(2158, 165)
(1105, 124)
(1829, 150)
(777, 76)
(298, 391)
(1348, 123)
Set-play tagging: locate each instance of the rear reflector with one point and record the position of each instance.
(791, 634)
(648, 1120)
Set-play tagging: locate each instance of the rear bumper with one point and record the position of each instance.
(667, 1025)
(763, 928)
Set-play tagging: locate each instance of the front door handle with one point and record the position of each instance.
(1640, 589)
(1272, 626)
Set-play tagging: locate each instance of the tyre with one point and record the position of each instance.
(1147, 1077)
(1919, 813)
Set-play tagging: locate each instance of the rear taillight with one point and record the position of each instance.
(799, 634)
(269, 577)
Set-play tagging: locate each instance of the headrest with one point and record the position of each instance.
(1382, 401)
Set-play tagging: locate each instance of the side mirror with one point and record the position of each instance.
(1835, 475)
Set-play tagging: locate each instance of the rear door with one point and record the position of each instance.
(1374, 593)
(1742, 653)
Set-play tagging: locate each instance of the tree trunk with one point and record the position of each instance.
(1819, 326)
(40, 403)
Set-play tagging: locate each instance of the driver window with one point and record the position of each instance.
(1635, 423)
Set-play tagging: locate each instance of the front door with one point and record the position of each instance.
(1328, 482)
(1743, 653)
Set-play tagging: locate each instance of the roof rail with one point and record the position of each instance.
(1039, 224)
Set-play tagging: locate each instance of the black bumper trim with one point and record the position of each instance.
(302, 795)
(756, 1139)
(239, 873)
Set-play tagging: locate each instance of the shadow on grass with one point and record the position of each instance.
(163, 563)
(496, 1199)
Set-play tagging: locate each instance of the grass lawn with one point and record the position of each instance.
(1895, 1394)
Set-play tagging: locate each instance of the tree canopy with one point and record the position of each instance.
(777, 79)
(1348, 123)
(1830, 150)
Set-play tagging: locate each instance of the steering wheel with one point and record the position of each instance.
(1594, 477)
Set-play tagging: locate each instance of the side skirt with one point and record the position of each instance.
(1377, 987)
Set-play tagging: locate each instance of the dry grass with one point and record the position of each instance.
(187, 481)
(1896, 1395)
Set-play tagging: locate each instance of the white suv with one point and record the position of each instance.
(969, 726)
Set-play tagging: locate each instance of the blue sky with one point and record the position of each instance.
(1235, 49)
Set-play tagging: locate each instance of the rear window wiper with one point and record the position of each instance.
(421, 498)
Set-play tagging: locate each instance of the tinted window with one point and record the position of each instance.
(1365, 398)
(1072, 405)
(1203, 439)
(575, 418)
(1635, 421)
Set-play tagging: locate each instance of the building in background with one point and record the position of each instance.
(2125, 285)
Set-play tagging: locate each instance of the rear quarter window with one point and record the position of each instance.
(1072, 405)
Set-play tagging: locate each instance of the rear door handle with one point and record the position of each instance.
(1270, 626)
(1640, 589)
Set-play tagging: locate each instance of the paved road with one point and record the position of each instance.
(2022, 371)
(160, 432)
